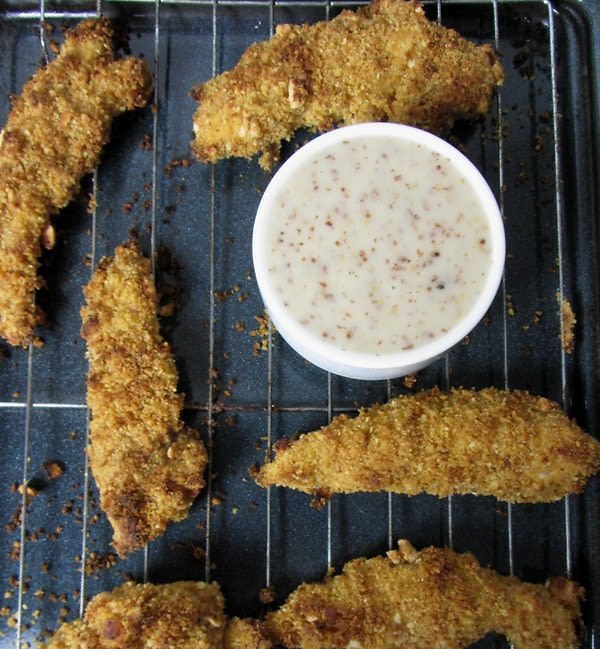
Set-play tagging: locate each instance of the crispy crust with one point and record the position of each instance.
(568, 322)
(145, 616)
(53, 136)
(245, 634)
(511, 445)
(420, 600)
(147, 463)
(383, 62)
(180, 615)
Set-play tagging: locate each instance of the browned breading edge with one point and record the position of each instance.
(53, 136)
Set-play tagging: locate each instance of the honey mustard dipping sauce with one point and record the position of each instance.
(378, 245)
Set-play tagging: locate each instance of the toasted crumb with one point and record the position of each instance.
(97, 561)
(382, 62)
(568, 322)
(510, 309)
(512, 445)
(266, 595)
(29, 491)
(53, 469)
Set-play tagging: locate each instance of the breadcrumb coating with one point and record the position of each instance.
(382, 62)
(511, 445)
(53, 137)
(181, 615)
(431, 599)
(147, 463)
(146, 616)
(245, 634)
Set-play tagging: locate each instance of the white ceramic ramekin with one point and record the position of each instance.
(368, 365)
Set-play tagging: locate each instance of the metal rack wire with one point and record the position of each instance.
(267, 407)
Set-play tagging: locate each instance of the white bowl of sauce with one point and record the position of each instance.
(377, 247)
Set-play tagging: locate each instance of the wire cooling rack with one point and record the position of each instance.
(244, 387)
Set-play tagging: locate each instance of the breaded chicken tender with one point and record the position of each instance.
(245, 634)
(181, 615)
(146, 616)
(431, 599)
(383, 62)
(53, 136)
(147, 463)
(511, 445)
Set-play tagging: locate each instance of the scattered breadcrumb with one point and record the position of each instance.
(266, 595)
(409, 381)
(221, 296)
(174, 616)
(146, 143)
(261, 332)
(245, 634)
(96, 561)
(28, 491)
(53, 469)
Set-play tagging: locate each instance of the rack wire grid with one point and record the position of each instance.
(244, 386)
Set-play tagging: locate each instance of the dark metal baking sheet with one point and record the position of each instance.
(198, 220)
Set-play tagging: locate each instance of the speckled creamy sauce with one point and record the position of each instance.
(378, 246)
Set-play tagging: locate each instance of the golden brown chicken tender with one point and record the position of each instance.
(53, 136)
(511, 445)
(383, 62)
(147, 463)
(146, 616)
(425, 600)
